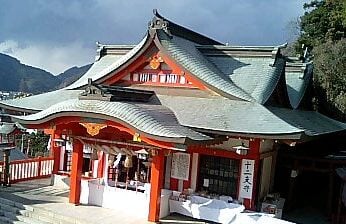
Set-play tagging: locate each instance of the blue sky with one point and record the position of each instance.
(58, 34)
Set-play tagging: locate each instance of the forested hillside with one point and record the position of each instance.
(323, 33)
(15, 76)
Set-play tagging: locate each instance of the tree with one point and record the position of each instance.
(323, 21)
(323, 30)
(330, 78)
(35, 144)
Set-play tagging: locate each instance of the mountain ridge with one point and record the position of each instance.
(18, 77)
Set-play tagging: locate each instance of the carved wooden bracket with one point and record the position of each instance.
(94, 92)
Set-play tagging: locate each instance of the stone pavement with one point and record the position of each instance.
(39, 193)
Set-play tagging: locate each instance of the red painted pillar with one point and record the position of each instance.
(101, 164)
(55, 150)
(156, 182)
(76, 172)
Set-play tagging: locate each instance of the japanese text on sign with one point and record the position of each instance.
(246, 178)
(180, 166)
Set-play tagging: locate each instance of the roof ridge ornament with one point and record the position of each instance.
(99, 51)
(94, 92)
(159, 23)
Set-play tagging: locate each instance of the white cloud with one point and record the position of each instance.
(54, 59)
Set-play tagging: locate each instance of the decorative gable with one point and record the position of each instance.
(155, 72)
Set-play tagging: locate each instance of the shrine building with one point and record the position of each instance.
(178, 112)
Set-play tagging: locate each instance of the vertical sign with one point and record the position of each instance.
(180, 166)
(246, 178)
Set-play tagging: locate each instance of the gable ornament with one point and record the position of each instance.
(155, 62)
(93, 128)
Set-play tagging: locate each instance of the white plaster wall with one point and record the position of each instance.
(62, 157)
(61, 181)
(168, 171)
(84, 194)
(95, 193)
(164, 204)
(95, 167)
(265, 177)
(194, 170)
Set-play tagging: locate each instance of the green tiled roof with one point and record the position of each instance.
(297, 83)
(99, 67)
(313, 123)
(185, 53)
(227, 116)
(258, 76)
(154, 120)
(7, 128)
(106, 65)
(40, 102)
(240, 117)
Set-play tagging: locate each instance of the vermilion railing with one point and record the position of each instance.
(29, 169)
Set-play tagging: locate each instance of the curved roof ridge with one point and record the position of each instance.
(82, 81)
(262, 93)
(244, 47)
(192, 60)
(155, 120)
(184, 32)
(297, 78)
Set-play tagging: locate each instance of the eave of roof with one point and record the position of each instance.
(312, 122)
(154, 120)
(35, 103)
(7, 128)
(241, 118)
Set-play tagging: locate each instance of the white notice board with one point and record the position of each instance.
(180, 166)
(246, 178)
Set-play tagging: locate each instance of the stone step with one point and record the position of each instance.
(11, 215)
(9, 208)
(4, 220)
(15, 204)
(4, 201)
(17, 212)
(31, 220)
(48, 190)
(48, 216)
(18, 222)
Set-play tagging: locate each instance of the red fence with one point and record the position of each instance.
(29, 169)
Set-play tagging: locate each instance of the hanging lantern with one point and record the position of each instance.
(142, 154)
(128, 162)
